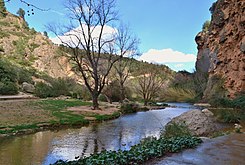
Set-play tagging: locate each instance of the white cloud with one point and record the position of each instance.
(71, 36)
(166, 56)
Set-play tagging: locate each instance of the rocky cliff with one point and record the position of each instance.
(221, 49)
(26, 47)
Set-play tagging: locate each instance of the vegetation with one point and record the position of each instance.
(21, 13)
(206, 26)
(107, 117)
(176, 130)
(186, 87)
(147, 149)
(3, 11)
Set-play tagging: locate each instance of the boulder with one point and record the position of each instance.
(29, 88)
(200, 123)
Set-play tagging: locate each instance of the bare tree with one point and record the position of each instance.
(127, 45)
(92, 47)
(149, 84)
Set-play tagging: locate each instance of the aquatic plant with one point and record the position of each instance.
(147, 149)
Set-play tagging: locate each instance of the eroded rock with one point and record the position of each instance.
(200, 123)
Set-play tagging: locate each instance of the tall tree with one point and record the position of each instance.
(96, 58)
(127, 45)
(149, 84)
(3, 11)
(21, 13)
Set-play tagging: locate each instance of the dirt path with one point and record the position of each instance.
(225, 150)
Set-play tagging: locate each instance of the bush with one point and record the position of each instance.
(229, 115)
(8, 88)
(129, 108)
(176, 130)
(205, 26)
(43, 90)
(223, 102)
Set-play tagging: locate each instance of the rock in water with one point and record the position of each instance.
(199, 123)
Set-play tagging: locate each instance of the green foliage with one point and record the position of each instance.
(129, 107)
(138, 154)
(21, 13)
(8, 78)
(1, 48)
(178, 94)
(223, 102)
(55, 88)
(229, 115)
(8, 88)
(175, 130)
(107, 117)
(186, 87)
(12, 129)
(3, 34)
(212, 8)
(57, 108)
(43, 90)
(3, 11)
(45, 34)
(206, 26)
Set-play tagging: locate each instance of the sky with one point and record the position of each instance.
(166, 28)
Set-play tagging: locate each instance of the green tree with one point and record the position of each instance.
(21, 13)
(205, 26)
(45, 34)
(3, 11)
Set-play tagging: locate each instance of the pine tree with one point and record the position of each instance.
(21, 13)
(3, 11)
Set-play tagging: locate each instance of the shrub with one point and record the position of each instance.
(1, 48)
(175, 130)
(129, 108)
(8, 88)
(205, 26)
(43, 90)
(229, 115)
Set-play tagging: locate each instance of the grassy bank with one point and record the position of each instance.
(21, 117)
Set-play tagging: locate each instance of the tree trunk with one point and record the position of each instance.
(145, 102)
(122, 93)
(95, 102)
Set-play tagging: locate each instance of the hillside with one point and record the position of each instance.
(28, 48)
(221, 50)
(32, 57)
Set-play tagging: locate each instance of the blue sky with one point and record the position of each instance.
(163, 26)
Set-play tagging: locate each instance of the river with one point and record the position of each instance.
(49, 146)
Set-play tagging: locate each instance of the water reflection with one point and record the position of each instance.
(47, 147)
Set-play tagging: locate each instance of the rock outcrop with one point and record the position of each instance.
(24, 45)
(200, 123)
(221, 49)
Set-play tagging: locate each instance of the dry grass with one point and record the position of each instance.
(20, 112)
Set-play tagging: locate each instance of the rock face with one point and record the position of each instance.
(199, 122)
(221, 50)
(32, 48)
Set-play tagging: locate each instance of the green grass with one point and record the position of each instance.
(107, 117)
(58, 109)
(13, 129)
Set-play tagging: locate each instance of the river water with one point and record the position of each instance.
(49, 146)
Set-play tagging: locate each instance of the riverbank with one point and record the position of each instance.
(227, 149)
(18, 117)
